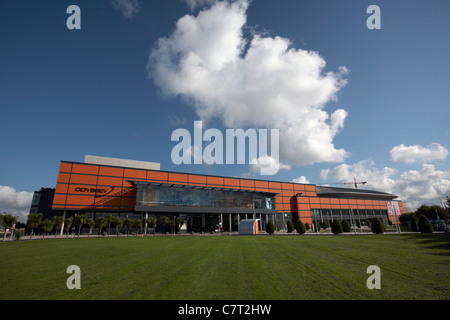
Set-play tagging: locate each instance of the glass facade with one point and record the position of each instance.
(363, 216)
(203, 197)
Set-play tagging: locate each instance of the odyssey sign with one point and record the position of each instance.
(99, 192)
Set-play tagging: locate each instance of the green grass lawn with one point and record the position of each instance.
(412, 266)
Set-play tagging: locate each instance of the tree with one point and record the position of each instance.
(290, 226)
(336, 227)
(67, 225)
(1, 218)
(414, 223)
(101, 223)
(424, 224)
(164, 220)
(8, 221)
(109, 220)
(152, 222)
(432, 212)
(46, 226)
(137, 223)
(91, 224)
(81, 220)
(128, 222)
(119, 223)
(278, 227)
(300, 227)
(346, 226)
(270, 228)
(377, 226)
(180, 223)
(325, 225)
(57, 222)
(34, 220)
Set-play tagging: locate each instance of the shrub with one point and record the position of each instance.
(18, 235)
(336, 227)
(324, 225)
(424, 224)
(278, 227)
(346, 226)
(290, 226)
(270, 228)
(377, 226)
(307, 226)
(301, 229)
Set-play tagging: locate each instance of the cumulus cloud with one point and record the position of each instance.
(416, 153)
(261, 82)
(414, 187)
(16, 202)
(129, 8)
(301, 179)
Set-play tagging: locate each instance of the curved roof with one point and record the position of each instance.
(331, 192)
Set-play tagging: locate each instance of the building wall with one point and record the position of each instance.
(89, 187)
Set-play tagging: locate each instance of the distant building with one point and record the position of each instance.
(42, 203)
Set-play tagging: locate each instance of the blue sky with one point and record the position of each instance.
(67, 93)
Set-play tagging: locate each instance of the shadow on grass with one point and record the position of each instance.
(438, 241)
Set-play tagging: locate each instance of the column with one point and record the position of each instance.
(64, 221)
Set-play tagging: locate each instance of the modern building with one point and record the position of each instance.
(102, 186)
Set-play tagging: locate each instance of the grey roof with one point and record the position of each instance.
(332, 192)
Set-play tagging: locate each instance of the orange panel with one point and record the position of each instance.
(109, 181)
(352, 202)
(262, 184)
(178, 178)
(157, 176)
(302, 206)
(333, 201)
(310, 194)
(59, 199)
(288, 193)
(135, 174)
(128, 202)
(231, 182)
(274, 185)
(194, 179)
(299, 188)
(215, 181)
(65, 167)
(108, 171)
(84, 168)
(279, 206)
(83, 179)
(314, 200)
(302, 200)
(310, 188)
(108, 201)
(61, 188)
(324, 201)
(248, 184)
(63, 178)
(80, 200)
(287, 186)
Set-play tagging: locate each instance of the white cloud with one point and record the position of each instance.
(413, 187)
(197, 3)
(129, 8)
(301, 179)
(268, 164)
(16, 202)
(416, 153)
(262, 83)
